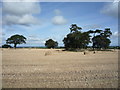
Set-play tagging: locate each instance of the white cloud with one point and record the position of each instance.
(28, 19)
(35, 40)
(21, 8)
(116, 34)
(20, 20)
(20, 0)
(59, 20)
(20, 13)
(110, 9)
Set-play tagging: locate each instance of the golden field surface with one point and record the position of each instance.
(54, 68)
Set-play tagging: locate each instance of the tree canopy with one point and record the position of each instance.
(16, 39)
(51, 43)
(75, 28)
(103, 39)
(94, 33)
(76, 39)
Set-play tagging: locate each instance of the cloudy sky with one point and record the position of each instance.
(39, 21)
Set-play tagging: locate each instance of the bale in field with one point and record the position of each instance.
(85, 52)
(48, 53)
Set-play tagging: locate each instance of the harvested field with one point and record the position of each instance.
(53, 68)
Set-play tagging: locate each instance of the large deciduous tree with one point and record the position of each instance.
(76, 39)
(16, 39)
(94, 33)
(103, 40)
(51, 43)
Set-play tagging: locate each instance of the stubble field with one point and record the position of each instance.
(54, 68)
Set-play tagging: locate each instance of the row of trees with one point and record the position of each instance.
(76, 39)
(20, 39)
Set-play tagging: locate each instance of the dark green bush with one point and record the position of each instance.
(6, 46)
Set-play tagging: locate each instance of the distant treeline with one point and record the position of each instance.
(42, 47)
(61, 47)
(73, 41)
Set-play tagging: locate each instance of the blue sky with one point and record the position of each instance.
(39, 21)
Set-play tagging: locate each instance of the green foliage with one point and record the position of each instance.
(94, 32)
(75, 28)
(106, 33)
(102, 40)
(51, 43)
(76, 40)
(6, 46)
(16, 39)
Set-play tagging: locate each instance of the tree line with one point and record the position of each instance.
(76, 39)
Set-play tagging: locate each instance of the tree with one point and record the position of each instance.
(6, 46)
(94, 32)
(51, 43)
(77, 39)
(106, 33)
(16, 39)
(75, 28)
(103, 40)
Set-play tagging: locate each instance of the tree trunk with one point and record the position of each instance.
(15, 45)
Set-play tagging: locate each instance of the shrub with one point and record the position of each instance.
(6, 46)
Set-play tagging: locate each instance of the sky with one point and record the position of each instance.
(40, 21)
